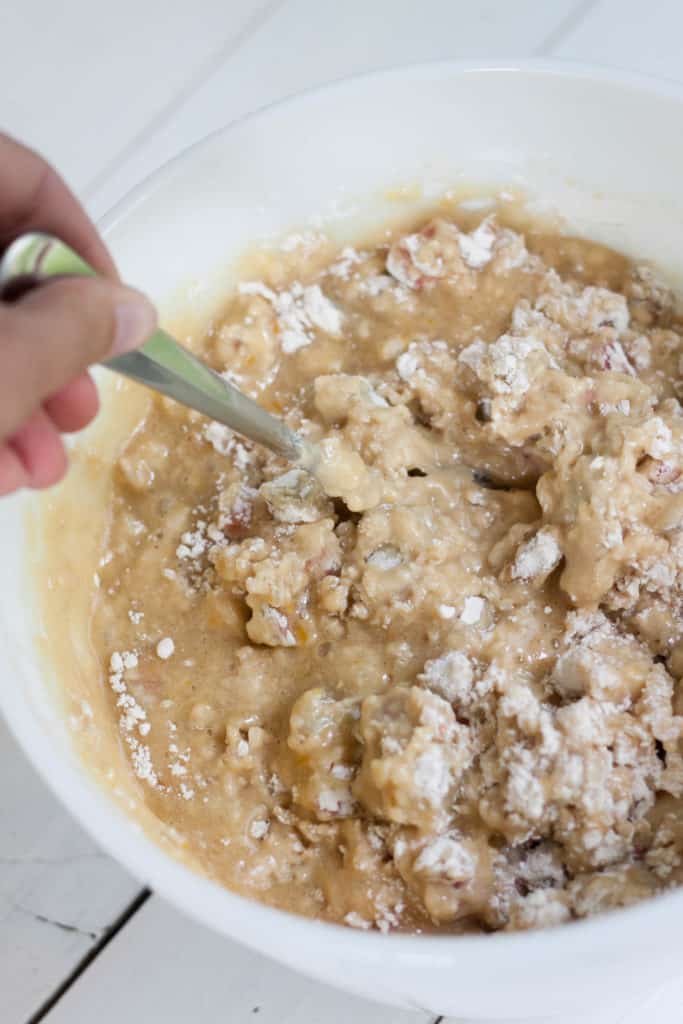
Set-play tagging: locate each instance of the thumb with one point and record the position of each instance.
(57, 330)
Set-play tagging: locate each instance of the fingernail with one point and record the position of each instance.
(136, 320)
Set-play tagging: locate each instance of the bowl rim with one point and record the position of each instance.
(638, 81)
(207, 901)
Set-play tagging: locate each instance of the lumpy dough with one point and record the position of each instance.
(436, 687)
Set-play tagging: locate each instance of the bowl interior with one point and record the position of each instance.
(604, 153)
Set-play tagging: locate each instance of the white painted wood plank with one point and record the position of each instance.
(80, 80)
(629, 34)
(163, 967)
(58, 891)
(304, 43)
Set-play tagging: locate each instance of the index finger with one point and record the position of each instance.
(33, 197)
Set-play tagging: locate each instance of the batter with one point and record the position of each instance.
(436, 687)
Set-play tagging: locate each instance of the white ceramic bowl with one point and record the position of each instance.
(606, 151)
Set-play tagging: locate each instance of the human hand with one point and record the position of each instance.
(52, 333)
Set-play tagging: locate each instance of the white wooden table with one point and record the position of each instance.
(108, 91)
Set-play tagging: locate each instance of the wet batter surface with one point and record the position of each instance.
(440, 691)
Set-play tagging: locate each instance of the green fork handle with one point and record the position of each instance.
(161, 363)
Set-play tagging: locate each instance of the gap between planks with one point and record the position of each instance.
(571, 21)
(190, 87)
(94, 951)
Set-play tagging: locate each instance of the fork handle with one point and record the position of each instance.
(161, 363)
